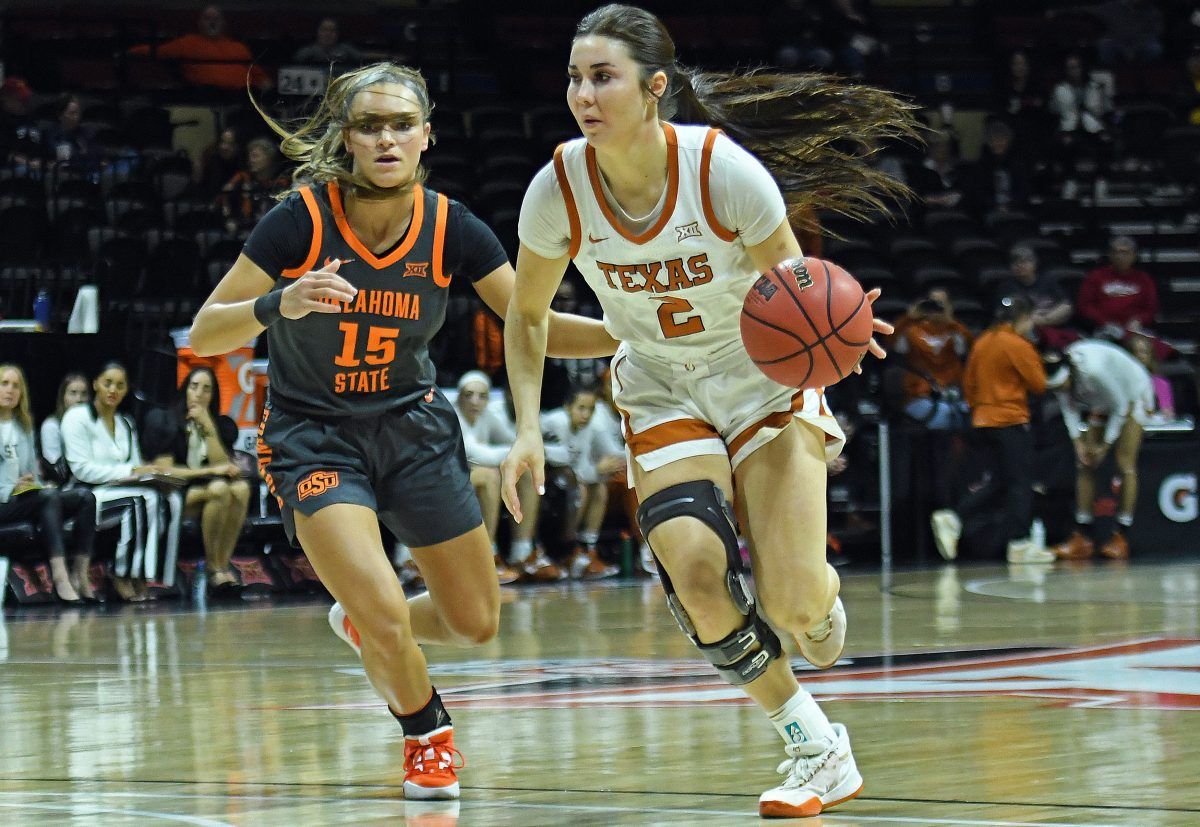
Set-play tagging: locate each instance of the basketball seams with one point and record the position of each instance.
(807, 318)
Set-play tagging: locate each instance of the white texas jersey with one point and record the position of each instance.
(676, 289)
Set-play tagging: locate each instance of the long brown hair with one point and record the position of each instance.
(814, 133)
(316, 144)
(21, 412)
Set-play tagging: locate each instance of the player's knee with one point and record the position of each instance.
(795, 615)
(477, 628)
(382, 628)
(700, 580)
(218, 490)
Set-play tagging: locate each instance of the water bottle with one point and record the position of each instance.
(41, 310)
(1037, 535)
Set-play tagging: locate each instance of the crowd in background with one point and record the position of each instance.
(983, 368)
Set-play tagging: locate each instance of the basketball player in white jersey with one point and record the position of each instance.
(670, 226)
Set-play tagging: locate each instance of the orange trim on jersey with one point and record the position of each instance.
(705, 198)
(669, 433)
(414, 228)
(672, 190)
(439, 241)
(314, 247)
(560, 169)
(779, 419)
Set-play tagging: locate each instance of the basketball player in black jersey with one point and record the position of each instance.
(348, 274)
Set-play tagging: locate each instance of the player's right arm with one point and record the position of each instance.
(227, 320)
(526, 326)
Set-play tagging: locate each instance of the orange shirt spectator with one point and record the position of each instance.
(488, 336)
(1003, 369)
(209, 57)
(935, 345)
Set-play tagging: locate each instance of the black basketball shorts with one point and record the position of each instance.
(408, 464)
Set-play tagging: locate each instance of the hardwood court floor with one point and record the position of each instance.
(974, 696)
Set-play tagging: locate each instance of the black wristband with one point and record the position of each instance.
(266, 308)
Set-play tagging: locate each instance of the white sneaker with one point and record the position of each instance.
(947, 529)
(818, 777)
(1023, 551)
(823, 644)
(343, 628)
(647, 560)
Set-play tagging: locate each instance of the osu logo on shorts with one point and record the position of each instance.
(317, 483)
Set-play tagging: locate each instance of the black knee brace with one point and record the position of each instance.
(746, 652)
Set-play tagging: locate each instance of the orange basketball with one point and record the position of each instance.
(806, 323)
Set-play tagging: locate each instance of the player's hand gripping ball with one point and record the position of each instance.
(806, 323)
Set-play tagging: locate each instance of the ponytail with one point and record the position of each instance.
(815, 133)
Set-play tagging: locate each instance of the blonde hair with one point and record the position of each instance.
(21, 413)
(317, 143)
(814, 133)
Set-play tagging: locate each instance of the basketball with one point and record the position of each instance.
(806, 323)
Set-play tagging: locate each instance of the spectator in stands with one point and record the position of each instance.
(1000, 180)
(1051, 307)
(21, 136)
(25, 497)
(936, 180)
(1188, 96)
(208, 57)
(101, 446)
(328, 50)
(72, 390)
(193, 440)
(71, 145)
(488, 433)
(218, 164)
(934, 345)
(1003, 370)
(593, 457)
(1021, 101)
(1143, 348)
(487, 336)
(795, 27)
(1083, 103)
(250, 193)
(1103, 385)
(1118, 297)
(1133, 31)
(560, 375)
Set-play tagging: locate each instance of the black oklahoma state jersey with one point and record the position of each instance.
(373, 355)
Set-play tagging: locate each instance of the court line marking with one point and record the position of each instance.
(298, 785)
(92, 810)
(522, 805)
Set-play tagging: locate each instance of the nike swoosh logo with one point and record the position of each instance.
(595, 240)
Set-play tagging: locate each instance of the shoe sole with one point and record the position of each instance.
(813, 807)
(416, 792)
(340, 623)
(836, 658)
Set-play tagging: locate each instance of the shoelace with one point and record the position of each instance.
(804, 761)
(445, 758)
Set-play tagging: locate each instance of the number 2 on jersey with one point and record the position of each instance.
(381, 345)
(671, 307)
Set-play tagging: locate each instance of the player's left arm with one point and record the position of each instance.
(570, 336)
(782, 245)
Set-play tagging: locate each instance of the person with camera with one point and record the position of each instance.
(934, 345)
(1002, 371)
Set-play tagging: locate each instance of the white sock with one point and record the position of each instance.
(519, 550)
(400, 554)
(1083, 518)
(589, 538)
(800, 719)
(1125, 520)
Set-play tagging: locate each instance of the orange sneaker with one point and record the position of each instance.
(538, 568)
(1117, 548)
(587, 565)
(430, 762)
(504, 572)
(1075, 547)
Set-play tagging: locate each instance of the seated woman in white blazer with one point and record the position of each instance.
(102, 451)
